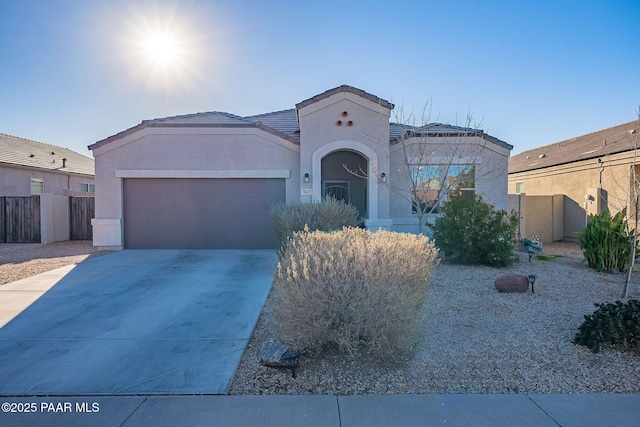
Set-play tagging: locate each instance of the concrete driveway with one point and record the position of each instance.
(137, 322)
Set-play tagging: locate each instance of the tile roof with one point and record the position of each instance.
(25, 152)
(208, 118)
(612, 140)
(345, 88)
(397, 131)
(284, 123)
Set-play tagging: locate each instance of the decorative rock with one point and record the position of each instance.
(278, 355)
(512, 283)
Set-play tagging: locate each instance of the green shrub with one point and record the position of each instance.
(471, 231)
(605, 241)
(353, 290)
(328, 215)
(616, 323)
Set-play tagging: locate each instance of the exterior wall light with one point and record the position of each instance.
(383, 177)
(306, 177)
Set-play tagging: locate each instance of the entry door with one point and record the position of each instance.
(339, 190)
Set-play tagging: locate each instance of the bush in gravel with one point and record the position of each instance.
(471, 231)
(605, 241)
(327, 215)
(615, 323)
(352, 290)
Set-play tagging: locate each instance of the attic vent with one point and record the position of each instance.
(542, 156)
(32, 155)
(53, 153)
(632, 131)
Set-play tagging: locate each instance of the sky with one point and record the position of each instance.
(531, 73)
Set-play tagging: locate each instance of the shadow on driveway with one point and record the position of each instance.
(139, 322)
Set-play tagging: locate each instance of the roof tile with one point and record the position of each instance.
(25, 152)
(612, 140)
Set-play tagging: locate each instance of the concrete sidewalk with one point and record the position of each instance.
(493, 410)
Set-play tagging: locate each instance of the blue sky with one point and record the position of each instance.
(533, 72)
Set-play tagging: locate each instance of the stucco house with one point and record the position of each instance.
(564, 182)
(207, 180)
(29, 167)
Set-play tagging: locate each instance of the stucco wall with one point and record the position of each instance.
(54, 218)
(368, 134)
(17, 181)
(606, 181)
(185, 153)
(490, 160)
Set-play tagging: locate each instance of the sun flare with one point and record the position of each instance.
(162, 48)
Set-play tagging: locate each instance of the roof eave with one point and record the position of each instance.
(150, 124)
(36, 168)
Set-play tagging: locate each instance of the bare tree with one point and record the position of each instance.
(431, 162)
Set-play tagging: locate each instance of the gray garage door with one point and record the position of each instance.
(200, 213)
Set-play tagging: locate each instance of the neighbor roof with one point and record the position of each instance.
(616, 139)
(27, 153)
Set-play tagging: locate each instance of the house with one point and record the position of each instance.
(44, 192)
(207, 180)
(562, 183)
(29, 168)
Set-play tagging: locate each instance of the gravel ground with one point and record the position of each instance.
(21, 260)
(476, 340)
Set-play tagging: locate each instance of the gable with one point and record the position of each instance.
(355, 95)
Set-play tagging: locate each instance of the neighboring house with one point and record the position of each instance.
(577, 177)
(207, 180)
(30, 168)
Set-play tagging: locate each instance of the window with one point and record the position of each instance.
(37, 186)
(88, 188)
(435, 184)
(519, 187)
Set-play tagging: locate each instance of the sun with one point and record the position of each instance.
(163, 49)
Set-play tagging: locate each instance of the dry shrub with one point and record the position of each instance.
(326, 215)
(353, 289)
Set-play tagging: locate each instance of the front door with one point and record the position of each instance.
(339, 190)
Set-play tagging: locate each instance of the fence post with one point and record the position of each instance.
(3, 219)
(46, 218)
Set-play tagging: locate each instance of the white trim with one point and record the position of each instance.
(167, 173)
(372, 161)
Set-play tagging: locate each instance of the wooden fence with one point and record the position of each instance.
(20, 219)
(81, 211)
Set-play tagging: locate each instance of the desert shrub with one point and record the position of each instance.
(353, 290)
(471, 231)
(605, 241)
(615, 323)
(327, 215)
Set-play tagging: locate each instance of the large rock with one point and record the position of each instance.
(512, 283)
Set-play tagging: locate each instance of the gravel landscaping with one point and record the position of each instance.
(476, 340)
(21, 260)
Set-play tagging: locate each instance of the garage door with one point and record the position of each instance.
(200, 213)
